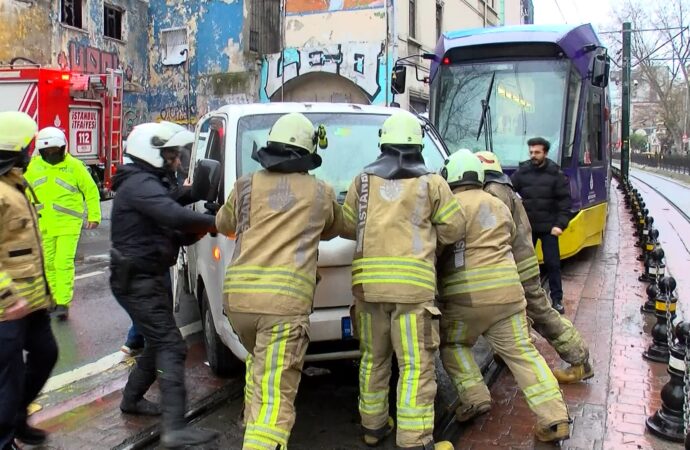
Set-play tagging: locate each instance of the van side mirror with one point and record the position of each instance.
(398, 78)
(206, 180)
(601, 65)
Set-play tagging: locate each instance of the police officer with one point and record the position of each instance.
(396, 210)
(24, 293)
(481, 294)
(269, 293)
(556, 329)
(62, 184)
(148, 227)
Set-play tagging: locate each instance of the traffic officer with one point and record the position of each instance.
(283, 211)
(554, 327)
(24, 293)
(397, 210)
(150, 226)
(62, 184)
(481, 294)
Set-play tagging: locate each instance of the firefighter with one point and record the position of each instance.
(278, 215)
(24, 293)
(555, 328)
(62, 184)
(481, 294)
(150, 228)
(396, 210)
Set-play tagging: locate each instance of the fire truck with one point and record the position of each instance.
(87, 107)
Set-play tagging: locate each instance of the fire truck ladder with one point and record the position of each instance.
(115, 92)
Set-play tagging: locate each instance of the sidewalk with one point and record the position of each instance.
(602, 298)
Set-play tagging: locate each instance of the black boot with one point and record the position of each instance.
(558, 306)
(140, 407)
(187, 435)
(30, 435)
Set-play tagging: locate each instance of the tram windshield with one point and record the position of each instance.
(528, 99)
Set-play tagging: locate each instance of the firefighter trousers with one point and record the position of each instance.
(505, 328)
(555, 328)
(276, 346)
(412, 332)
(22, 378)
(59, 253)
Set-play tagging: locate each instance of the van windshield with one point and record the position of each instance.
(352, 144)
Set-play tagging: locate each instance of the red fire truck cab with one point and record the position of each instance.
(87, 107)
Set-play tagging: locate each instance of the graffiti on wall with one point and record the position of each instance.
(132, 118)
(87, 59)
(361, 63)
(312, 6)
(177, 113)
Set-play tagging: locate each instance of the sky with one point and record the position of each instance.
(596, 12)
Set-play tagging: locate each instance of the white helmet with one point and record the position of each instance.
(147, 140)
(50, 137)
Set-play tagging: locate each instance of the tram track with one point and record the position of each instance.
(662, 195)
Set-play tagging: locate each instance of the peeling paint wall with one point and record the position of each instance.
(22, 31)
(216, 71)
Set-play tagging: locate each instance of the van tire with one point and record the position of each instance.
(222, 361)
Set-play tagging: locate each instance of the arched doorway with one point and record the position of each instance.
(321, 87)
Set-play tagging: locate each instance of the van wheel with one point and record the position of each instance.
(222, 361)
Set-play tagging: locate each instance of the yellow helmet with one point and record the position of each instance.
(489, 161)
(295, 129)
(17, 129)
(463, 168)
(401, 128)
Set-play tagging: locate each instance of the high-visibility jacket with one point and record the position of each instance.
(278, 220)
(21, 257)
(61, 190)
(480, 270)
(523, 248)
(397, 224)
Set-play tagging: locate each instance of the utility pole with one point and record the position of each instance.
(625, 107)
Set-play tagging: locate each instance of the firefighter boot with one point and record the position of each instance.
(374, 437)
(468, 412)
(556, 432)
(574, 374)
(187, 436)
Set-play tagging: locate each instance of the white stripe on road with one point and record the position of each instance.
(103, 364)
(88, 275)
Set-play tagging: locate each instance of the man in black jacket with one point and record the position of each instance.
(546, 196)
(148, 228)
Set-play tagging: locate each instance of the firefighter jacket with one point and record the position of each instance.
(523, 248)
(61, 190)
(278, 220)
(21, 258)
(479, 270)
(396, 224)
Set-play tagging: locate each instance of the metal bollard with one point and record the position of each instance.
(654, 266)
(644, 238)
(665, 312)
(653, 295)
(669, 421)
(641, 225)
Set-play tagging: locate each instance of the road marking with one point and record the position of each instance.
(107, 362)
(89, 274)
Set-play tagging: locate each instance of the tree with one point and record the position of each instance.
(638, 142)
(661, 53)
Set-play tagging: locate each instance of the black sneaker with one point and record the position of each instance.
(61, 312)
(30, 435)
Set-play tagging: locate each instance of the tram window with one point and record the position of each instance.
(574, 85)
(591, 149)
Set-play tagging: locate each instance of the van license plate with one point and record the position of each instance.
(346, 324)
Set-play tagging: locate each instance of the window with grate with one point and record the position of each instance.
(174, 45)
(439, 20)
(70, 12)
(265, 26)
(112, 22)
(413, 19)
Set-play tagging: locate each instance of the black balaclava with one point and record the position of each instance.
(276, 157)
(9, 160)
(398, 162)
(53, 157)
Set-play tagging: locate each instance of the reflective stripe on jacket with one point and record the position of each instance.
(396, 224)
(480, 269)
(62, 189)
(21, 258)
(278, 219)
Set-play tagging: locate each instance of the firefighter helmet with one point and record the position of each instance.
(401, 128)
(50, 137)
(463, 168)
(148, 140)
(489, 161)
(17, 129)
(296, 130)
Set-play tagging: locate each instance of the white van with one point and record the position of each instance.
(229, 135)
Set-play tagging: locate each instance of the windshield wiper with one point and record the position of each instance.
(485, 121)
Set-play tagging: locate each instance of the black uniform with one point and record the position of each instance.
(148, 228)
(546, 196)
